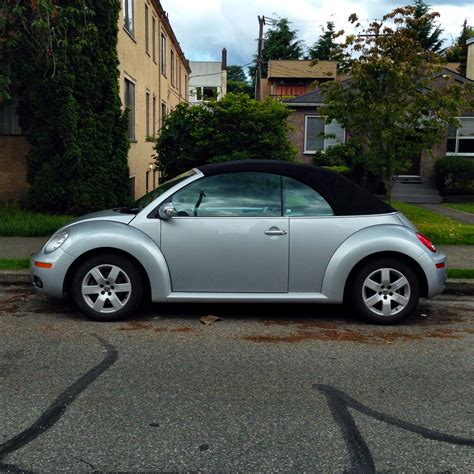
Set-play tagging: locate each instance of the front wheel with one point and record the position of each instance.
(385, 291)
(107, 287)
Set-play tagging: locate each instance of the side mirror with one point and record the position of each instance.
(166, 211)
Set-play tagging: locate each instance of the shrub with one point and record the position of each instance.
(455, 175)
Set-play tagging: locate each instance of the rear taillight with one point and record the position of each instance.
(426, 242)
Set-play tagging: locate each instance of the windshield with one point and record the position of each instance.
(152, 195)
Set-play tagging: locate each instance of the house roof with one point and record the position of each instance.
(282, 68)
(315, 97)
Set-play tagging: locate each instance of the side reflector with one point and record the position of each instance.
(43, 265)
(440, 265)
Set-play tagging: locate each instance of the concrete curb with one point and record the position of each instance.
(453, 286)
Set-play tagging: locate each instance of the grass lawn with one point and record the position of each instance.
(462, 206)
(14, 263)
(15, 222)
(440, 229)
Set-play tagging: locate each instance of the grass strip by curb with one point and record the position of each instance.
(14, 263)
(24, 264)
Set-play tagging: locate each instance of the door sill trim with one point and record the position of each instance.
(196, 297)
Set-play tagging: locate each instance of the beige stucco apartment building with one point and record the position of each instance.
(154, 78)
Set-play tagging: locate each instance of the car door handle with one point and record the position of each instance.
(275, 232)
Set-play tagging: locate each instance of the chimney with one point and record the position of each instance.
(224, 59)
(470, 59)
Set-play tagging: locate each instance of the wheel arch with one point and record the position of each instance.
(100, 251)
(412, 263)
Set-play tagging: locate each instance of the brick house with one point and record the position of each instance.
(308, 124)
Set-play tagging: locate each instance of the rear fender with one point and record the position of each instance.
(362, 244)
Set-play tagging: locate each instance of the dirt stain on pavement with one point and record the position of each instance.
(143, 326)
(322, 331)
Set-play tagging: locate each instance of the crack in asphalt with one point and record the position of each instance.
(359, 453)
(56, 409)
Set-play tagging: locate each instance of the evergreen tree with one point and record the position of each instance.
(237, 80)
(425, 28)
(324, 48)
(64, 69)
(457, 53)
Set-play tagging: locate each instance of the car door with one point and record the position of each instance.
(228, 235)
(316, 233)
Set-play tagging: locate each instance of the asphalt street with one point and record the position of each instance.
(270, 388)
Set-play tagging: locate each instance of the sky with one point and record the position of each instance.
(204, 27)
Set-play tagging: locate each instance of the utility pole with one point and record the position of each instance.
(258, 78)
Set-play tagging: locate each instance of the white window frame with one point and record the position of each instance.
(457, 138)
(313, 152)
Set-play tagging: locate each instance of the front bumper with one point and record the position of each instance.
(50, 281)
(435, 277)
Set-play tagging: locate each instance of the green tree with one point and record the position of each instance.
(397, 102)
(280, 42)
(237, 80)
(457, 53)
(325, 48)
(63, 67)
(423, 23)
(234, 128)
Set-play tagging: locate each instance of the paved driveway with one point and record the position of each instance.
(269, 388)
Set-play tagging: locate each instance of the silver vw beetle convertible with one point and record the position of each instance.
(246, 231)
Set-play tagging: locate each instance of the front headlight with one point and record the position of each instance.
(55, 242)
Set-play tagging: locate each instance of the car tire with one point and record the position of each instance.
(385, 291)
(107, 287)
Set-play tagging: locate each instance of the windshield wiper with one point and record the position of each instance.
(127, 210)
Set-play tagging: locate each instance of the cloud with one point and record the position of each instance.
(205, 27)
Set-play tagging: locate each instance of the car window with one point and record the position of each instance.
(230, 195)
(300, 200)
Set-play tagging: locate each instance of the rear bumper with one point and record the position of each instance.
(435, 277)
(50, 281)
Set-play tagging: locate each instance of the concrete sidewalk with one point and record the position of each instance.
(460, 216)
(460, 256)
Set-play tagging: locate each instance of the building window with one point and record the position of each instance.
(130, 106)
(172, 68)
(147, 31)
(9, 119)
(147, 113)
(132, 187)
(153, 132)
(163, 113)
(128, 15)
(198, 93)
(179, 78)
(153, 38)
(163, 54)
(186, 87)
(209, 93)
(155, 174)
(461, 140)
(319, 135)
(147, 180)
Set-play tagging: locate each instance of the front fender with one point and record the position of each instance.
(93, 235)
(366, 242)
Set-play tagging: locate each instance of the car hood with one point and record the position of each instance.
(107, 215)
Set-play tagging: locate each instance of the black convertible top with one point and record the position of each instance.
(345, 197)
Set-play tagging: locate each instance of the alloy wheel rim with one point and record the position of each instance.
(106, 288)
(386, 292)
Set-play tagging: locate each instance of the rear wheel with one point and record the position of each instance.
(385, 291)
(107, 287)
